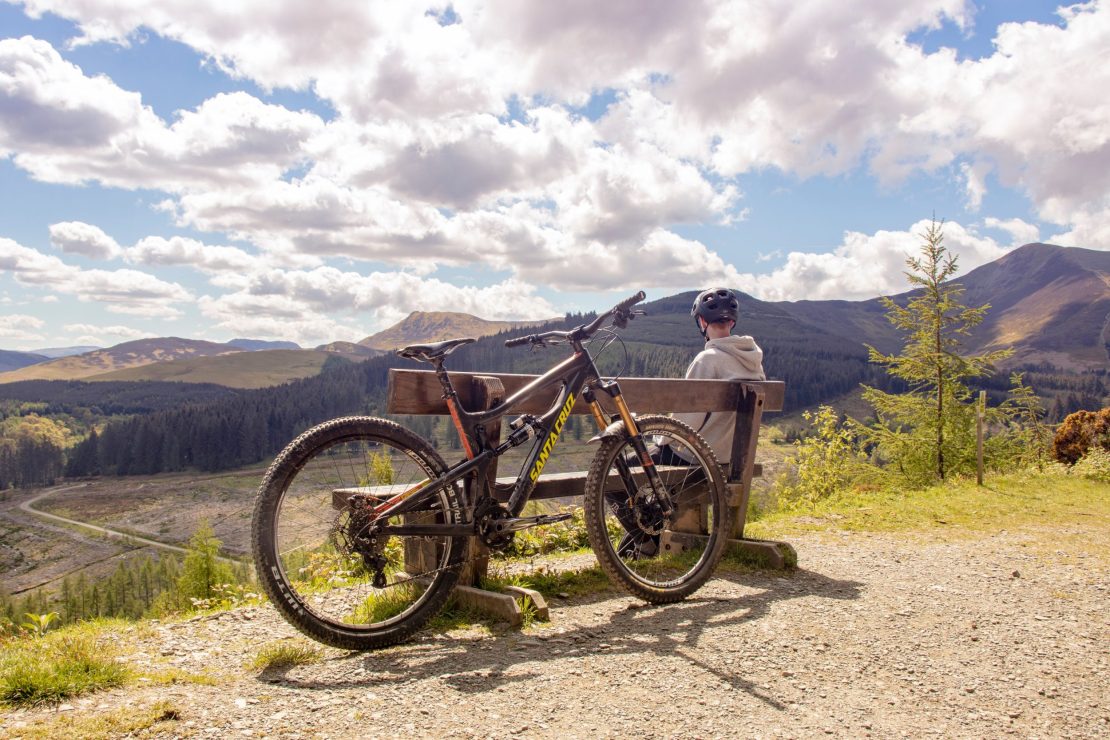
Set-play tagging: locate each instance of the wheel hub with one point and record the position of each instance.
(357, 536)
(648, 511)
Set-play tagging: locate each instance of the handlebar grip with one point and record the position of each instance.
(517, 341)
(631, 301)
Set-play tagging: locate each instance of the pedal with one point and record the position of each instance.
(527, 522)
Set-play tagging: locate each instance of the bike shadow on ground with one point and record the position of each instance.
(684, 631)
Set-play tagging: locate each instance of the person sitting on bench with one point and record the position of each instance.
(725, 357)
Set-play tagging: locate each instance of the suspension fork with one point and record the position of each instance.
(638, 445)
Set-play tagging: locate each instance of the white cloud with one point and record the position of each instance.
(303, 305)
(76, 237)
(92, 334)
(177, 250)
(422, 168)
(121, 291)
(1020, 231)
(20, 327)
(865, 265)
(63, 126)
(48, 103)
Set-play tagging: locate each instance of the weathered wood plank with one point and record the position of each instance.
(566, 485)
(419, 392)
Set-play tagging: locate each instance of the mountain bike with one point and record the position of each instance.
(360, 527)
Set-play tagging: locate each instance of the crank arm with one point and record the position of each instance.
(526, 522)
(427, 530)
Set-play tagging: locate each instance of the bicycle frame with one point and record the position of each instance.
(578, 375)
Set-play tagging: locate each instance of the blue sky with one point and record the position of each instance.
(210, 171)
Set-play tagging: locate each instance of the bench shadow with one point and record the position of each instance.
(473, 665)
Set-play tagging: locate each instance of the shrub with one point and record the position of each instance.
(829, 460)
(1079, 432)
(1094, 465)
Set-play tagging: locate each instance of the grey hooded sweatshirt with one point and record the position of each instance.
(728, 358)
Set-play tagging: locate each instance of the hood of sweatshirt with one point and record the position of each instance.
(743, 349)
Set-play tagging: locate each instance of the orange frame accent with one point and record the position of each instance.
(459, 427)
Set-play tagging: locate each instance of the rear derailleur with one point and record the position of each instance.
(359, 536)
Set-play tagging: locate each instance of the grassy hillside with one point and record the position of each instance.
(119, 357)
(238, 370)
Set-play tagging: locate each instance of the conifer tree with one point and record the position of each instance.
(928, 432)
(203, 568)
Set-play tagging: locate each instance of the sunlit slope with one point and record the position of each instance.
(122, 356)
(435, 326)
(239, 370)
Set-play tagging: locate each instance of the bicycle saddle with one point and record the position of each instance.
(435, 351)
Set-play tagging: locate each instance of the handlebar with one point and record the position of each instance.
(630, 301)
(585, 331)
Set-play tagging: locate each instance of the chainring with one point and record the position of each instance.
(486, 514)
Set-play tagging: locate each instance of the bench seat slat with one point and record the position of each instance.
(550, 485)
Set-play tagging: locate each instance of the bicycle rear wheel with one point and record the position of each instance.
(660, 559)
(312, 547)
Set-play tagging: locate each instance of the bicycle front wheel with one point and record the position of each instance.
(659, 558)
(315, 552)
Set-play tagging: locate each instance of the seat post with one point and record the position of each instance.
(444, 380)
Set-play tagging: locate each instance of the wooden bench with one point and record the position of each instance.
(419, 392)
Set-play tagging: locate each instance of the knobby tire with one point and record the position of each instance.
(306, 567)
(622, 548)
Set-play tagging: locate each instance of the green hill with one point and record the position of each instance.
(239, 370)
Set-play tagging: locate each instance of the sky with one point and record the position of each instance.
(316, 171)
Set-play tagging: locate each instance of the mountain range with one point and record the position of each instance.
(1050, 303)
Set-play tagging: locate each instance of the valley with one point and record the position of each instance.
(165, 508)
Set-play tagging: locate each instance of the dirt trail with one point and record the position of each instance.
(877, 635)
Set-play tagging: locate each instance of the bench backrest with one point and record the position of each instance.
(418, 392)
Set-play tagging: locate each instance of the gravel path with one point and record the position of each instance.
(877, 635)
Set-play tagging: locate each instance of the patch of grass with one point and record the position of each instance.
(550, 583)
(1004, 502)
(55, 667)
(130, 721)
(384, 604)
(285, 654)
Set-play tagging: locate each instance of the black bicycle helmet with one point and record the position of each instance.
(715, 304)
